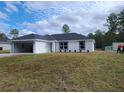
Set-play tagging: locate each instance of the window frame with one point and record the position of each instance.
(82, 45)
(63, 45)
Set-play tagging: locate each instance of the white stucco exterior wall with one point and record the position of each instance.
(53, 47)
(74, 45)
(41, 47)
(89, 45)
(57, 47)
(5, 46)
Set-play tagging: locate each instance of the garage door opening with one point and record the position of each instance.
(1, 48)
(24, 47)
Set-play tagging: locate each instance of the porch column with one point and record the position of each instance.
(34, 47)
(12, 47)
(53, 47)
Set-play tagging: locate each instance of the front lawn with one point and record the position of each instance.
(4, 51)
(97, 71)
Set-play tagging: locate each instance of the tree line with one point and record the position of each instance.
(115, 33)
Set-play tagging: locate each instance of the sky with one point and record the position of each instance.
(48, 17)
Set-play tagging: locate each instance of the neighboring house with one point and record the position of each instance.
(115, 45)
(5, 45)
(69, 42)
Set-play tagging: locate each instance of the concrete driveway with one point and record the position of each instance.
(12, 54)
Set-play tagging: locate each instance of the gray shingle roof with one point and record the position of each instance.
(67, 36)
(29, 36)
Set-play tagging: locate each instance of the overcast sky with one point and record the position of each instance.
(48, 17)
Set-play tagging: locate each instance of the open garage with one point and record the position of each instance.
(23, 47)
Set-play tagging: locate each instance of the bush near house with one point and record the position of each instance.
(97, 71)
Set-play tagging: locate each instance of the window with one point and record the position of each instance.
(63, 45)
(1, 48)
(82, 45)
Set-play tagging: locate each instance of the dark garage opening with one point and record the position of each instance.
(23, 47)
(1, 48)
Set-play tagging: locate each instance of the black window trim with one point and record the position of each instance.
(63, 45)
(82, 45)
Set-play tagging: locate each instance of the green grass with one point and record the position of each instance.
(97, 71)
(4, 51)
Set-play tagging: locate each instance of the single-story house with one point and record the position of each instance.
(69, 42)
(5, 45)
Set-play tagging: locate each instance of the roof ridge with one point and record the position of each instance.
(64, 33)
(53, 37)
(50, 36)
